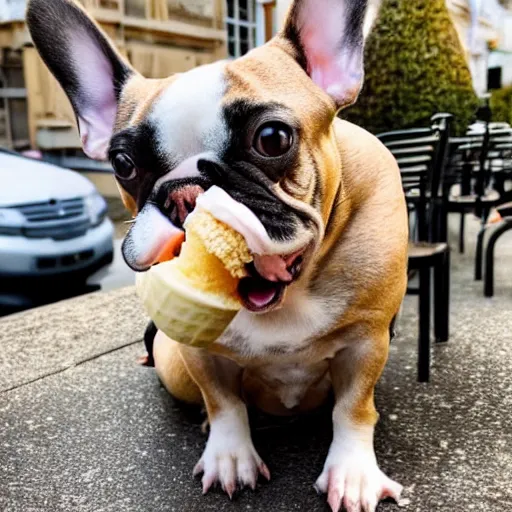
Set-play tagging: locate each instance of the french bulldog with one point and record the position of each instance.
(264, 128)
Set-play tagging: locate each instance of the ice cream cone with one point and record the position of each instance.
(193, 298)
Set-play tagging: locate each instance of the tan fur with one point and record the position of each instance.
(358, 272)
(137, 99)
(332, 331)
(360, 195)
(128, 201)
(172, 371)
(356, 256)
(139, 95)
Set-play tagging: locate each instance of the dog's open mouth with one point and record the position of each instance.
(158, 234)
(268, 275)
(259, 294)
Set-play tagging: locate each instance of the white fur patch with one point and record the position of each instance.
(188, 114)
(230, 457)
(351, 475)
(292, 381)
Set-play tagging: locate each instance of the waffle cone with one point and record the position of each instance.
(193, 298)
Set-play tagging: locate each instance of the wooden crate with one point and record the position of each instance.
(158, 61)
(48, 105)
(138, 8)
(194, 9)
(111, 5)
(206, 12)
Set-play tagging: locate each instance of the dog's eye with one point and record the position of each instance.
(273, 139)
(124, 167)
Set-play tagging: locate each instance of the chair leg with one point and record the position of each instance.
(489, 258)
(443, 235)
(438, 232)
(448, 291)
(424, 330)
(479, 254)
(461, 232)
(442, 298)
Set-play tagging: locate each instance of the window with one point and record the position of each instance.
(494, 78)
(241, 25)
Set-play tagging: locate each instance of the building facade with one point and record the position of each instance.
(158, 37)
(161, 37)
(484, 28)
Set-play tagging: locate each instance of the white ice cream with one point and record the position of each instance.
(240, 218)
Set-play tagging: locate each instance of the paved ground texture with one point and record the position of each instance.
(84, 428)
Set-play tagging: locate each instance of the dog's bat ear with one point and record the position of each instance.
(326, 37)
(87, 66)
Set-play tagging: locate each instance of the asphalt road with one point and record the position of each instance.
(116, 275)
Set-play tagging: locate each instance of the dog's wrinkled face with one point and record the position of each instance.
(224, 125)
(259, 127)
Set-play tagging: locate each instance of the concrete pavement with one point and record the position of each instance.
(85, 429)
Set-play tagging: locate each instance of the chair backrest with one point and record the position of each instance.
(422, 156)
(441, 124)
(415, 151)
(471, 157)
(500, 148)
(466, 158)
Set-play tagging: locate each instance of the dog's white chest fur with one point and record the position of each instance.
(302, 318)
(291, 382)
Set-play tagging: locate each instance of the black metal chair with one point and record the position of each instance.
(474, 184)
(502, 224)
(501, 166)
(421, 155)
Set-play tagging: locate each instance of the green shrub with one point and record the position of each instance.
(415, 67)
(501, 105)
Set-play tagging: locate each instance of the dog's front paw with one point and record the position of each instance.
(230, 457)
(351, 477)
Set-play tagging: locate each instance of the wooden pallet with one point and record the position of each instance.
(159, 38)
(111, 5)
(161, 19)
(160, 10)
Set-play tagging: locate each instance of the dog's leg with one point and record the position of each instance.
(229, 457)
(351, 475)
(171, 370)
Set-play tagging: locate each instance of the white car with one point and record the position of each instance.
(54, 232)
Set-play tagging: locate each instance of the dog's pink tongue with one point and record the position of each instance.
(272, 267)
(260, 298)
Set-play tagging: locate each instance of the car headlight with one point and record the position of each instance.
(11, 222)
(96, 208)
